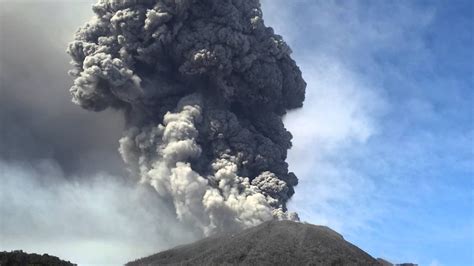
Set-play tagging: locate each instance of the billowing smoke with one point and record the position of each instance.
(203, 85)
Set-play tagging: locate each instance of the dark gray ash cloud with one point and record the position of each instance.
(37, 120)
(203, 85)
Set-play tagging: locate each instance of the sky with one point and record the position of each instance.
(383, 146)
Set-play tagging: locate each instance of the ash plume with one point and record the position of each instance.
(203, 85)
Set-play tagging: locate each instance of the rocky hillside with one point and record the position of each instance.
(271, 243)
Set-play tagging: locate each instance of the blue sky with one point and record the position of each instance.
(384, 145)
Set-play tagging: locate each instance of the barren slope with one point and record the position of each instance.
(271, 243)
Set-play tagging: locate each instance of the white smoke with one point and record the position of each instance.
(162, 156)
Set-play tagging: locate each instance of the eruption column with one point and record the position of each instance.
(203, 85)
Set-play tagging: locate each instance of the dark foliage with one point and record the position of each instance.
(20, 258)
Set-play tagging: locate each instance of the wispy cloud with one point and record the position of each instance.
(341, 113)
(341, 116)
(380, 148)
(92, 220)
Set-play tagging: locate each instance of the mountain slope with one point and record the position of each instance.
(271, 243)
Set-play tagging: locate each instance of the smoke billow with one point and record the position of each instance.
(203, 85)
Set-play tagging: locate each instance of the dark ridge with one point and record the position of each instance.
(20, 258)
(271, 243)
(387, 263)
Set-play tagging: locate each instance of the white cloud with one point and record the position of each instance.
(435, 263)
(96, 220)
(339, 115)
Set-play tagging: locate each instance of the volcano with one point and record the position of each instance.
(270, 243)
